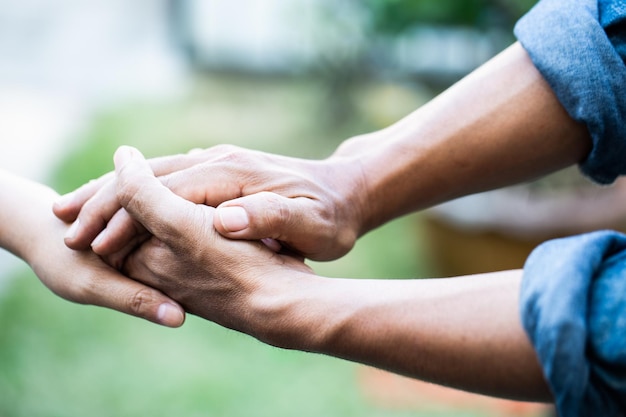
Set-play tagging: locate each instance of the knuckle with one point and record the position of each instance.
(170, 181)
(125, 191)
(236, 156)
(189, 229)
(276, 214)
(140, 301)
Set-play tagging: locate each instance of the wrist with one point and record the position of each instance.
(295, 313)
(386, 162)
(355, 164)
(25, 205)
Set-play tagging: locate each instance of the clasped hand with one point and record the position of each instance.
(237, 284)
(313, 208)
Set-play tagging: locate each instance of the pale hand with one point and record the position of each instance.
(33, 233)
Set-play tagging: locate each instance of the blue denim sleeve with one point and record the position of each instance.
(567, 41)
(612, 16)
(573, 308)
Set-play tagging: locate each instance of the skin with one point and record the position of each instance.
(498, 126)
(442, 330)
(29, 230)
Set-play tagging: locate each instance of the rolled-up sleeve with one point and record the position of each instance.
(573, 308)
(569, 45)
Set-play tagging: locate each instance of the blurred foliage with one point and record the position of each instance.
(396, 16)
(358, 40)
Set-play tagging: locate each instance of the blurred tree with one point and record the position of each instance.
(396, 16)
(358, 40)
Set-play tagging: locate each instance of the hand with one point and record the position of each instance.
(229, 282)
(33, 233)
(313, 208)
(440, 330)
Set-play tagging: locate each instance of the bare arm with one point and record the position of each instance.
(500, 125)
(29, 230)
(460, 332)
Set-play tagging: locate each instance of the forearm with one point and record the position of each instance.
(24, 204)
(498, 126)
(460, 332)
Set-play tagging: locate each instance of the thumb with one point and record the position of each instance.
(148, 201)
(267, 215)
(112, 290)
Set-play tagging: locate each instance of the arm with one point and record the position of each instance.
(463, 332)
(29, 230)
(460, 332)
(500, 125)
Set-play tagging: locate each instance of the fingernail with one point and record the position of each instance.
(96, 242)
(123, 155)
(272, 244)
(169, 315)
(71, 232)
(234, 219)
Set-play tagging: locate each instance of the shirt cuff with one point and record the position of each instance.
(570, 48)
(573, 308)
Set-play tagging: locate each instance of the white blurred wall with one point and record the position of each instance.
(261, 35)
(62, 59)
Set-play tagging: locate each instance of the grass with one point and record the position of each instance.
(61, 359)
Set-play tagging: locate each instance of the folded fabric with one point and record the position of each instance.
(573, 308)
(576, 45)
(612, 16)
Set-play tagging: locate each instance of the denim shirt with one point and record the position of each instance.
(576, 45)
(573, 295)
(573, 307)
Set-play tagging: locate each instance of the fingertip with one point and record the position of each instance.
(273, 244)
(97, 244)
(232, 219)
(170, 315)
(71, 232)
(125, 154)
(62, 207)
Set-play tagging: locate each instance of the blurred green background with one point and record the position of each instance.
(61, 359)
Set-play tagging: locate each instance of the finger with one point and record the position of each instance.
(93, 225)
(93, 217)
(150, 263)
(164, 165)
(69, 205)
(102, 207)
(108, 288)
(204, 184)
(272, 244)
(117, 258)
(269, 215)
(119, 234)
(164, 214)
